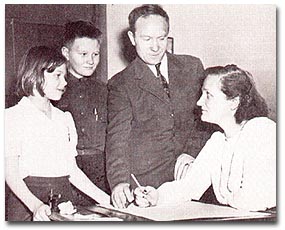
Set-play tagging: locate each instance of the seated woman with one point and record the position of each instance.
(240, 162)
(40, 141)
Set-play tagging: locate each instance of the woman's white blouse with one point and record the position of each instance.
(241, 169)
(45, 147)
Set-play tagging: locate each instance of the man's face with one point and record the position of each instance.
(150, 38)
(83, 56)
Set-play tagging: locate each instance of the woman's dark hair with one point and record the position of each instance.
(80, 29)
(144, 11)
(32, 66)
(236, 82)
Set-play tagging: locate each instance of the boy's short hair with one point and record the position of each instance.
(80, 29)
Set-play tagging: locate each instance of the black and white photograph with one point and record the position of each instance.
(141, 112)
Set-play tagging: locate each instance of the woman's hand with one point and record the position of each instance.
(41, 213)
(146, 196)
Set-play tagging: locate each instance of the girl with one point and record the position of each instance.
(40, 141)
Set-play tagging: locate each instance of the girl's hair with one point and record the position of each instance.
(236, 82)
(32, 66)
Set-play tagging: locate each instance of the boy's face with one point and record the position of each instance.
(83, 56)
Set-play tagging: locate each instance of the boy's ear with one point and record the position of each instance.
(131, 37)
(65, 52)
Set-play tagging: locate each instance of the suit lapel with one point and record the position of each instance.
(148, 82)
(177, 79)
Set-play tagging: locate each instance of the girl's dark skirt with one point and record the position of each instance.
(41, 187)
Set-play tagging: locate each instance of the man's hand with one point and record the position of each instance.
(183, 164)
(122, 195)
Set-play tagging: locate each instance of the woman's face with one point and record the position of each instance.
(55, 83)
(213, 102)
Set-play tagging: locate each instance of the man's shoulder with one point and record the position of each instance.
(125, 75)
(184, 58)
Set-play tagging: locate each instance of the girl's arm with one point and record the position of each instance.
(18, 186)
(83, 183)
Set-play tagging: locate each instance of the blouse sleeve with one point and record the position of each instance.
(197, 180)
(258, 188)
(72, 132)
(13, 133)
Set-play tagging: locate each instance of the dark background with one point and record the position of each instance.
(27, 25)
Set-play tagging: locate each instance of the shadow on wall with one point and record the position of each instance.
(128, 51)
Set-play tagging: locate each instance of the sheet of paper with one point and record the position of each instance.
(190, 210)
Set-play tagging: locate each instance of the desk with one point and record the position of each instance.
(188, 211)
(97, 213)
(193, 210)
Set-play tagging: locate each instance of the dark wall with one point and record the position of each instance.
(29, 25)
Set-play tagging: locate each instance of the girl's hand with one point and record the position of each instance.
(41, 213)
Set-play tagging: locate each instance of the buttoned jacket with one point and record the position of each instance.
(86, 100)
(146, 130)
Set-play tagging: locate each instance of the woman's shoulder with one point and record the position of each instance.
(258, 123)
(216, 138)
(217, 135)
(259, 131)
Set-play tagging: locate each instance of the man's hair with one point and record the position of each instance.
(145, 11)
(236, 82)
(80, 29)
(31, 69)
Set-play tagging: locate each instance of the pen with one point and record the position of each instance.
(137, 183)
(68, 133)
(96, 114)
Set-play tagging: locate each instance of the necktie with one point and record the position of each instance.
(162, 79)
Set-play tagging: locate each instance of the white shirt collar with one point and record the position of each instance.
(26, 102)
(163, 68)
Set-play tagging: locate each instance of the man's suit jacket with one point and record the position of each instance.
(146, 130)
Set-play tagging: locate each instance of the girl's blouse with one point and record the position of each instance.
(241, 169)
(45, 147)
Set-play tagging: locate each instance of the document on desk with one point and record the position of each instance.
(190, 211)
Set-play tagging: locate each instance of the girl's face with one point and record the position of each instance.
(55, 83)
(214, 104)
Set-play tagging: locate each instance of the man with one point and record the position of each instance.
(150, 110)
(85, 97)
